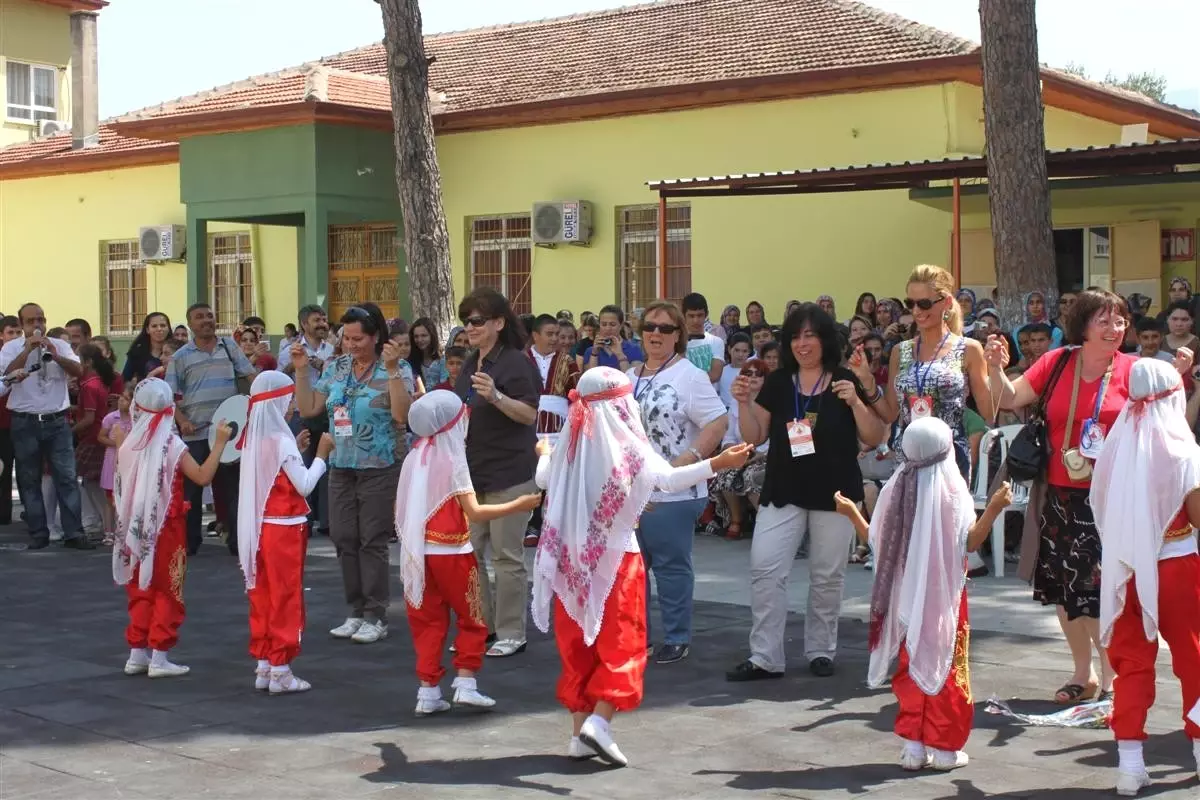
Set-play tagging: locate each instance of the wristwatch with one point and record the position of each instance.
(497, 397)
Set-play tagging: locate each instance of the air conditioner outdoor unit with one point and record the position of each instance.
(49, 127)
(568, 221)
(162, 242)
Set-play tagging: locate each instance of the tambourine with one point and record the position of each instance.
(236, 411)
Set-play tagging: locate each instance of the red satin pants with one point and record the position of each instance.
(156, 612)
(1133, 657)
(612, 668)
(451, 584)
(277, 599)
(942, 721)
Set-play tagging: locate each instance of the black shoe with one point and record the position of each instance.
(822, 667)
(38, 544)
(80, 542)
(749, 671)
(490, 640)
(978, 572)
(670, 653)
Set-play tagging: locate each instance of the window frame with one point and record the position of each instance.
(504, 245)
(676, 234)
(33, 108)
(132, 266)
(238, 256)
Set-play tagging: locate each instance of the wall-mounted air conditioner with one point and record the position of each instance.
(162, 242)
(567, 221)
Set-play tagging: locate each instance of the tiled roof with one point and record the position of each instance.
(57, 148)
(674, 42)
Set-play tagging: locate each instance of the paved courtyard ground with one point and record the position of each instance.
(73, 727)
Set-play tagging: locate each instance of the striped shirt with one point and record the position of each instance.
(203, 380)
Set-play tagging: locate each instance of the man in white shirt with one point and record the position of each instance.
(314, 333)
(704, 350)
(41, 433)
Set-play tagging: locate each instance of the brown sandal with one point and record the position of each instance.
(734, 531)
(1073, 694)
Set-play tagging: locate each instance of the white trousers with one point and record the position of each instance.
(777, 536)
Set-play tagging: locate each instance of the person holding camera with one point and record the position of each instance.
(609, 349)
(37, 369)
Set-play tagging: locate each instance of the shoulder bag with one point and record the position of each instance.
(240, 381)
(1029, 451)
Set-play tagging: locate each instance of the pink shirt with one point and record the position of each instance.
(111, 420)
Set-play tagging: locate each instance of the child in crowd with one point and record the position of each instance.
(150, 553)
(598, 480)
(922, 529)
(97, 381)
(455, 356)
(1150, 339)
(273, 528)
(1147, 506)
(108, 439)
(435, 504)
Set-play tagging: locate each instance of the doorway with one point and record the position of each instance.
(1069, 259)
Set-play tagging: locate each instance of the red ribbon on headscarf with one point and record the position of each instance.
(427, 443)
(159, 416)
(581, 418)
(261, 397)
(1140, 405)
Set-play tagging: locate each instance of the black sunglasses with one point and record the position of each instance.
(357, 313)
(666, 329)
(475, 322)
(924, 303)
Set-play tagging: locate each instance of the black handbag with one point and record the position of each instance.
(1029, 450)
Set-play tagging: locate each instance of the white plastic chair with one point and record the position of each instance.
(997, 437)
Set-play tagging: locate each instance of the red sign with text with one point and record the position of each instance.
(1178, 244)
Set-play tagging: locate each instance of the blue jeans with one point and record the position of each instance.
(665, 536)
(37, 443)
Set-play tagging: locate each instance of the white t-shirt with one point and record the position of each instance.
(725, 386)
(733, 434)
(702, 352)
(676, 403)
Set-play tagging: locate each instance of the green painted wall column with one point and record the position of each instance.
(197, 259)
(313, 251)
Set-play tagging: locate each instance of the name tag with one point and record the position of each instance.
(342, 426)
(921, 407)
(1091, 439)
(800, 438)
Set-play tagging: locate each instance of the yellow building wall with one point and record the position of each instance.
(33, 33)
(51, 229)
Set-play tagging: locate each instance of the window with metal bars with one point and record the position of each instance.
(502, 258)
(32, 92)
(638, 270)
(124, 275)
(363, 267)
(230, 278)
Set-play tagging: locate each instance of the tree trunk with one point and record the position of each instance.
(1018, 189)
(426, 238)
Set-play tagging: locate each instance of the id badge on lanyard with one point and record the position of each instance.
(920, 405)
(342, 426)
(800, 429)
(1091, 436)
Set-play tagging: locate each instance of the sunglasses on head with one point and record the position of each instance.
(653, 327)
(475, 322)
(924, 303)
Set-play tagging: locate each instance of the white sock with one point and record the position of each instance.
(469, 684)
(1196, 752)
(599, 721)
(264, 664)
(159, 658)
(913, 746)
(1132, 761)
(429, 693)
(139, 655)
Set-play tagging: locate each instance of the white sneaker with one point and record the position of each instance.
(56, 536)
(347, 629)
(466, 693)
(597, 735)
(165, 669)
(430, 702)
(138, 663)
(283, 681)
(915, 757)
(578, 751)
(262, 678)
(1129, 783)
(370, 632)
(946, 760)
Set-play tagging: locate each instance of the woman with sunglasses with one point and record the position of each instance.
(684, 420)
(366, 393)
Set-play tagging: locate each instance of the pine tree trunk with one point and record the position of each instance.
(426, 238)
(1018, 189)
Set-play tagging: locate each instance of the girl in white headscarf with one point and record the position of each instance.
(1144, 495)
(922, 529)
(598, 480)
(435, 504)
(150, 550)
(273, 529)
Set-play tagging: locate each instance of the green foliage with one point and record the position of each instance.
(1151, 84)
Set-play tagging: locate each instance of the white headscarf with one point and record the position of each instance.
(1149, 463)
(267, 443)
(602, 472)
(434, 472)
(145, 477)
(921, 610)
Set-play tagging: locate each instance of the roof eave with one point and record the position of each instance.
(56, 164)
(235, 120)
(75, 5)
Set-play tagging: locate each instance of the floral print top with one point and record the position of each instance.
(377, 441)
(943, 380)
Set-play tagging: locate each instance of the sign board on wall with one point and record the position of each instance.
(1178, 244)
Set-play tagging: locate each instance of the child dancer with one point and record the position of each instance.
(108, 437)
(273, 529)
(922, 529)
(435, 502)
(1146, 503)
(597, 481)
(150, 554)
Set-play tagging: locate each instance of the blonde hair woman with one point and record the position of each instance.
(933, 373)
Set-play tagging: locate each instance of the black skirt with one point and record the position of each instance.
(1068, 564)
